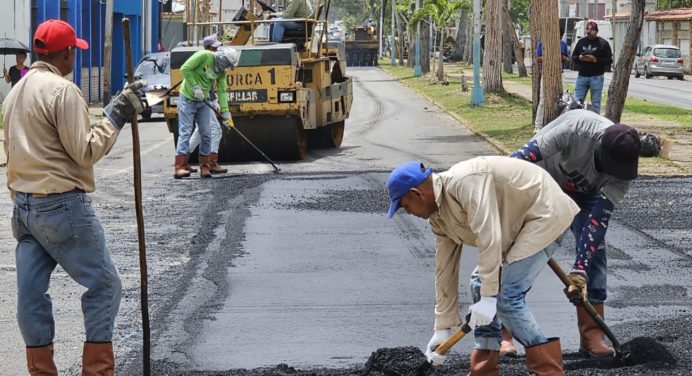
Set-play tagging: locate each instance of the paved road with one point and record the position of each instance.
(256, 269)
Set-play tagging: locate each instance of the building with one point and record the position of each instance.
(88, 19)
(674, 26)
(621, 23)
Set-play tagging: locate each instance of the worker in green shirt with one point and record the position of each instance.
(199, 72)
(294, 9)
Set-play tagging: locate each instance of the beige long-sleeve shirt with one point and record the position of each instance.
(508, 208)
(50, 145)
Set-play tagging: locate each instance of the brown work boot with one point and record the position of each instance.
(545, 359)
(484, 363)
(98, 359)
(204, 166)
(592, 341)
(39, 361)
(214, 166)
(189, 168)
(506, 346)
(180, 163)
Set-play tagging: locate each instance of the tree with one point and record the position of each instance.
(492, 54)
(458, 53)
(671, 4)
(425, 46)
(535, 23)
(552, 59)
(617, 91)
(521, 67)
(507, 27)
(442, 12)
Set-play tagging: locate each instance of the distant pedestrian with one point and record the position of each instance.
(593, 56)
(515, 214)
(17, 71)
(51, 149)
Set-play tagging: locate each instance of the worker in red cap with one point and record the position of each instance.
(51, 149)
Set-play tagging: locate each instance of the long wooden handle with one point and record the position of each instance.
(453, 339)
(586, 305)
(143, 278)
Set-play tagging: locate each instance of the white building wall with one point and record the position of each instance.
(15, 22)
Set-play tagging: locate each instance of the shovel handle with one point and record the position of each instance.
(444, 347)
(586, 305)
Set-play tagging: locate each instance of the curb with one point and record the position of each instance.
(456, 117)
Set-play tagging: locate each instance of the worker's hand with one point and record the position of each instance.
(576, 291)
(198, 93)
(121, 108)
(437, 339)
(483, 312)
(226, 116)
(215, 105)
(4, 71)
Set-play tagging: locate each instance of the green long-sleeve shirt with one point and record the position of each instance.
(297, 9)
(199, 70)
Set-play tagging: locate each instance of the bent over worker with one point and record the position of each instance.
(593, 161)
(199, 71)
(51, 150)
(514, 213)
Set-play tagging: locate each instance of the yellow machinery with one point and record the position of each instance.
(282, 96)
(362, 47)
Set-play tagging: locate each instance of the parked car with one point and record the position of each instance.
(156, 69)
(660, 60)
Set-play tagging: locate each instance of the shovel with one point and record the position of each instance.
(444, 347)
(155, 97)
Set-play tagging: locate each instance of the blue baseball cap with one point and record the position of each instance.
(404, 177)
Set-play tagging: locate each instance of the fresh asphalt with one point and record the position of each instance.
(302, 268)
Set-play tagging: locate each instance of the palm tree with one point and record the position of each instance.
(442, 12)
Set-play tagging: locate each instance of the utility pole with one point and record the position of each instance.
(612, 28)
(417, 70)
(477, 97)
(107, 52)
(393, 39)
(380, 28)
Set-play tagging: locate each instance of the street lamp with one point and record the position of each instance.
(417, 70)
(477, 92)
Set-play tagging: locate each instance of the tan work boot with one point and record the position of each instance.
(180, 171)
(98, 359)
(592, 341)
(506, 346)
(204, 166)
(214, 166)
(189, 168)
(545, 359)
(484, 363)
(39, 361)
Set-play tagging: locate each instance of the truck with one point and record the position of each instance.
(282, 96)
(362, 46)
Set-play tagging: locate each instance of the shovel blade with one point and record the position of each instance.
(155, 97)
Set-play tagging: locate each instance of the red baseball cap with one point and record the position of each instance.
(56, 35)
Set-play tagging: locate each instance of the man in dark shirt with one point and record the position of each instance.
(593, 55)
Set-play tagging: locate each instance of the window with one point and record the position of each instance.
(667, 52)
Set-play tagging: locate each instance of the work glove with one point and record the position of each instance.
(483, 312)
(437, 339)
(226, 116)
(576, 291)
(121, 108)
(198, 93)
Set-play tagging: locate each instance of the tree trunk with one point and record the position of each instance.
(440, 60)
(402, 38)
(468, 49)
(425, 46)
(535, 24)
(507, 27)
(492, 54)
(458, 53)
(552, 59)
(617, 91)
(521, 67)
(411, 36)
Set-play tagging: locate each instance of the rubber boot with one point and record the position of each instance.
(214, 166)
(204, 166)
(39, 361)
(506, 346)
(180, 171)
(592, 340)
(189, 168)
(545, 359)
(484, 363)
(98, 359)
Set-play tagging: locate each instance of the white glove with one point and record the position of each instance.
(197, 91)
(434, 358)
(483, 312)
(226, 116)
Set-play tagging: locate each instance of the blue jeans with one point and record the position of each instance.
(512, 311)
(199, 112)
(598, 274)
(595, 85)
(216, 134)
(62, 229)
(277, 29)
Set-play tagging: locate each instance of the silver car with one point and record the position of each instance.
(660, 60)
